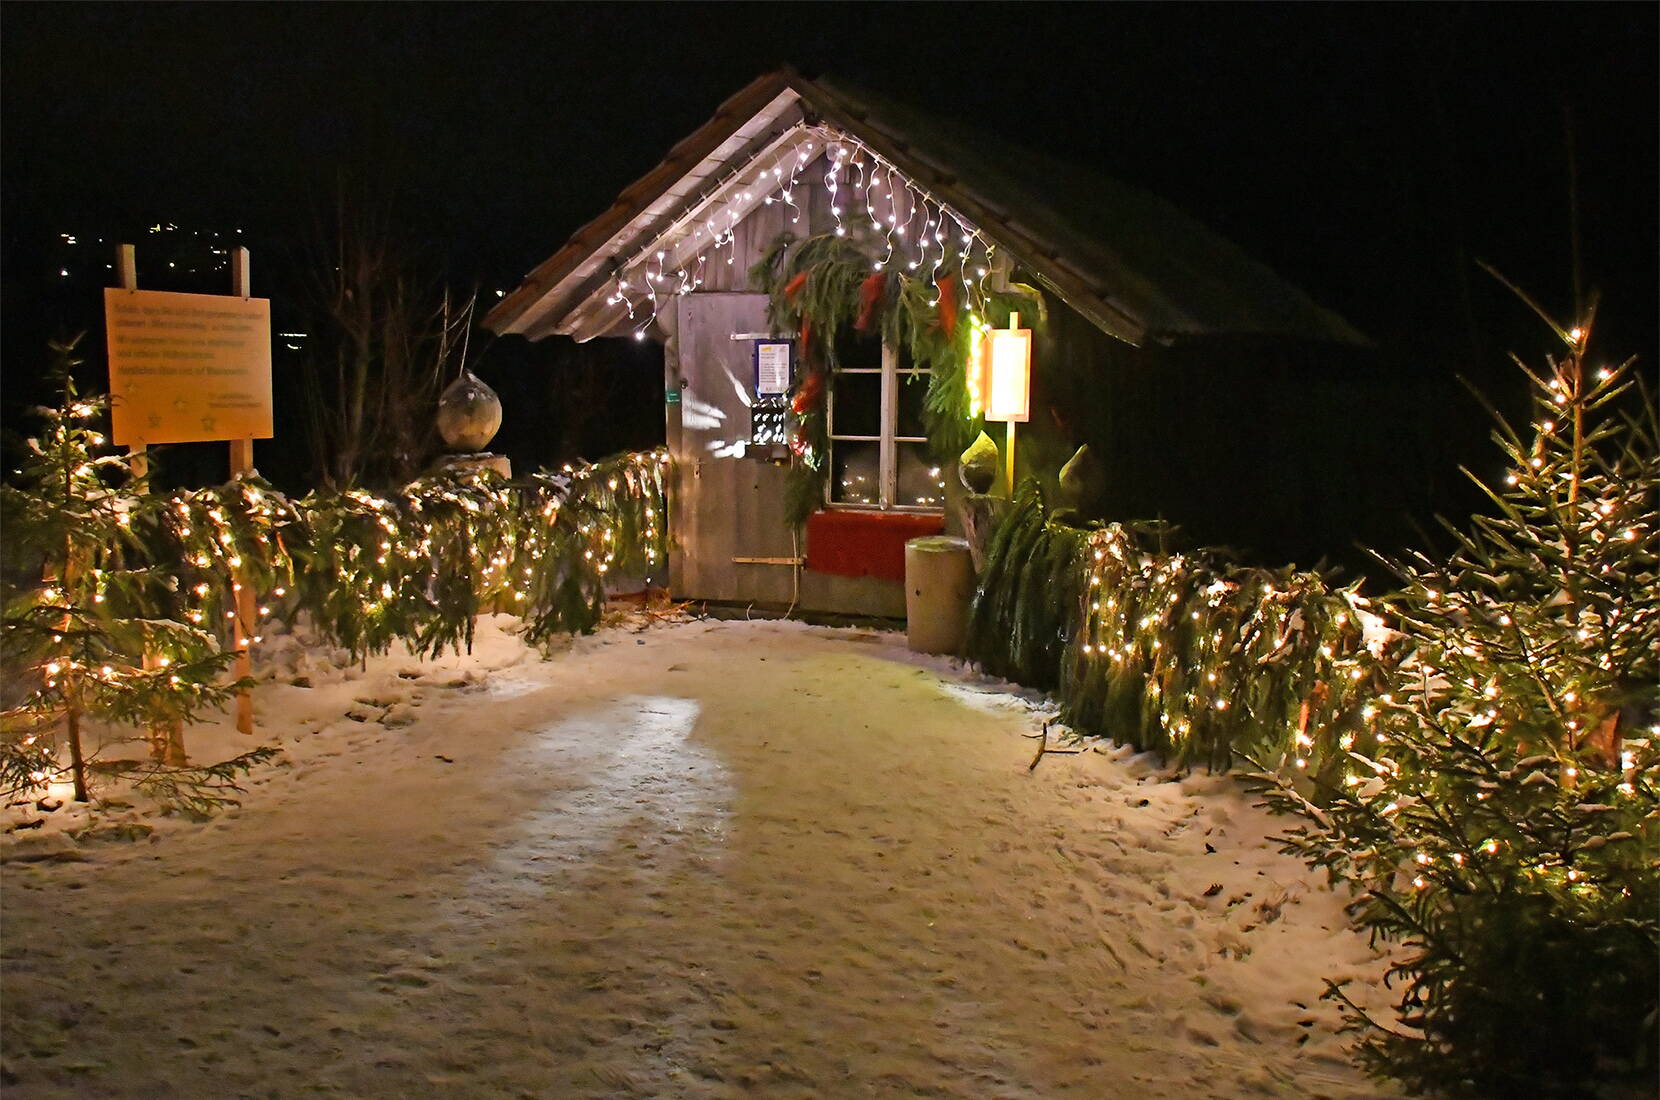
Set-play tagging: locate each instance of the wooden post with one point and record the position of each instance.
(1008, 426)
(242, 462)
(166, 735)
(126, 265)
(1008, 455)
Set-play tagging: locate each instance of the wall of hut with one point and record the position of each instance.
(1286, 451)
(730, 542)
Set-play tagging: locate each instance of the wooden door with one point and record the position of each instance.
(726, 505)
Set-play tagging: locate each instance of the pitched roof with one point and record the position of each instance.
(1131, 263)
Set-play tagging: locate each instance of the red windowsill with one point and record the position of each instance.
(847, 542)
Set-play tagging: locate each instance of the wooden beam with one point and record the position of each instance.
(745, 105)
(723, 202)
(126, 267)
(568, 314)
(242, 462)
(166, 735)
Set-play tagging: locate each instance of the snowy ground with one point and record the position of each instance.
(705, 860)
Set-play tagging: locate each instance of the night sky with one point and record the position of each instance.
(1369, 156)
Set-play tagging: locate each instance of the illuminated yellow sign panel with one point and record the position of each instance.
(188, 367)
(1008, 387)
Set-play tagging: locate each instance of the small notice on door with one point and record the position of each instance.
(188, 367)
(772, 368)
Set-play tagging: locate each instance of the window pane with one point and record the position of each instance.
(913, 392)
(855, 473)
(858, 349)
(921, 479)
(857, 404)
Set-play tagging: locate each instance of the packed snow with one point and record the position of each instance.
(701, 859)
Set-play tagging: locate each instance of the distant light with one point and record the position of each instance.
(64, 272)
(501, 293)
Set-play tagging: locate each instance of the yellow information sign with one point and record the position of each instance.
(188, 367)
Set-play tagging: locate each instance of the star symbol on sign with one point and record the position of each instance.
(155, 420)
(207, 423)
(180, 404)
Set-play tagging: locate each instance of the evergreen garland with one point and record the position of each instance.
(418, 565)
(823, 286)
(128, 620)
(1177, 653)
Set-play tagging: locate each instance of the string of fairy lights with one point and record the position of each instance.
(390, 549)
(367, 569)
(1200, 640)
(1205, 662)
(916, 233)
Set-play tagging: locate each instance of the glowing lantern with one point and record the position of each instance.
(1009, 373)
(1000, 380)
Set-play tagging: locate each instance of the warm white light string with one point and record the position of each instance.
(852, 170)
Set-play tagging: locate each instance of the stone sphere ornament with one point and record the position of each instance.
(469, 413)
(979, 464)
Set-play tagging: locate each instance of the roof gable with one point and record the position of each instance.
(1130, 263)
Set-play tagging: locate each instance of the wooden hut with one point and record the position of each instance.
(1191, 370)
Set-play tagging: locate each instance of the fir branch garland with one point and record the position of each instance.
(130, 619)
(823, 286)
(1177, 653)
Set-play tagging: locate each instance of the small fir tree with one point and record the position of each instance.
(1500, 816)
(93, 639)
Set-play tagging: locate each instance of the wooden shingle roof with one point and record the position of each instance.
(1132, 264)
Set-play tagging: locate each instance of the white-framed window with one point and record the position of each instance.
(878, 442)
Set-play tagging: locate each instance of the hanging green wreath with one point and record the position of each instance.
(820, 286)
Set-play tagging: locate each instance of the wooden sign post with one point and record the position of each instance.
(166, 737)
(242, 462)
(190, 367)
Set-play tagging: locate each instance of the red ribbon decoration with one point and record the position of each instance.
(807, 397)
(948, 305)
(870, 296)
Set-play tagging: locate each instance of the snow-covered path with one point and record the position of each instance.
(709, 859)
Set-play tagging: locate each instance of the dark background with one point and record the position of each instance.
(1369, 156)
